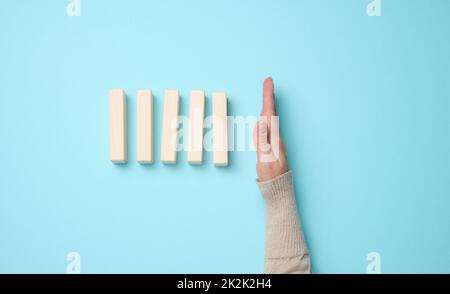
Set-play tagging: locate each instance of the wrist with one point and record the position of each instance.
(279, 187)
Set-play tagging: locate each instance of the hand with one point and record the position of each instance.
(272, 158)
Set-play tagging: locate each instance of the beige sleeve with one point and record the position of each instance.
(286, 251)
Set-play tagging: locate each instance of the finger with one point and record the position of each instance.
(261, 139)
(263, 134)
(268, 108)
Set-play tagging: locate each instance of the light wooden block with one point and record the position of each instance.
(170, 127)
(196, 118)
(117, 126)
(144, 125)
(220, 129)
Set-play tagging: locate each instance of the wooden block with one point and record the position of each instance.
(117, 126)
(170, 127)
(144, 127)
(220, 129)
(196, 118)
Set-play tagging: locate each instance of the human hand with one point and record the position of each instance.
(272, 158)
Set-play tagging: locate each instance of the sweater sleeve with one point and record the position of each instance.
(286, 251)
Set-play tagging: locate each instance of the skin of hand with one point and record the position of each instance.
(266, 137)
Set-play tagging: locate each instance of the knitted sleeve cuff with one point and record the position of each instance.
(277, 188)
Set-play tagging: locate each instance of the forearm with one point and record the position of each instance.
(286, 250)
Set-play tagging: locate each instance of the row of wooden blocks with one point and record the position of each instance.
(145, 140)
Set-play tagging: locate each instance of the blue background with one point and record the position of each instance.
(365, 112)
